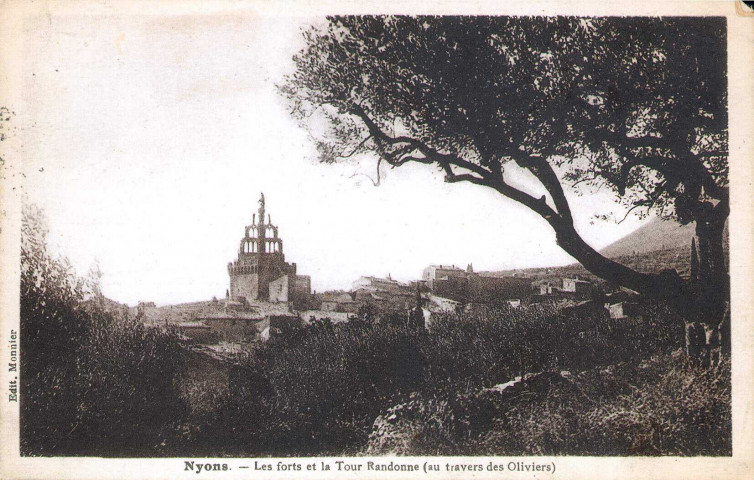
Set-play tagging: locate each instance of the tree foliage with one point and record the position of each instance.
(636, 105)
(92, 381)
(52, 322)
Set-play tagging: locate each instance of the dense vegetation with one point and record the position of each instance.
(385, 387)
(96, 382)
(92, 382)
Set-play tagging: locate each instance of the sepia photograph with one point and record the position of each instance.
(244, 240)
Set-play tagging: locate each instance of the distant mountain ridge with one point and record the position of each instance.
(657, 234)
(656, 246)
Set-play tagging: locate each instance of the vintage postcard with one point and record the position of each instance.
(248, 239)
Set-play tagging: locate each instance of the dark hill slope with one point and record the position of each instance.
(658, 245)
(656, 235)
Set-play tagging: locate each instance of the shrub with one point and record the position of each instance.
(92, 383)
(678, 408)
(316, 392)
(493, 345)
(52, 326)
(128, 401)
(320, 391)
(330, 386)
(660, 406)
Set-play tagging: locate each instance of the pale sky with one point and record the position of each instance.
(147, 141)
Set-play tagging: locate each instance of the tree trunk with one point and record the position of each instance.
(707, 311)
(666, 284)
(703, 301)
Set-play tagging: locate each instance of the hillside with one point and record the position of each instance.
(657, 234)
(658, 245)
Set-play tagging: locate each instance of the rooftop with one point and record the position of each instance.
(446, 267)
(232, 315)
(378, 279)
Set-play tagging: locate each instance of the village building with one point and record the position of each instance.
(302, 292)
(278, 326)
(441, 277)
(468, 286)
(577, 286)
(624, 310)
(498, 290)
(260, 273)
(199, 332)
(379, 284)
(338, 302)
(546, 288)
(310, 316)
(559, 289)
(235, 326)
(384, 293)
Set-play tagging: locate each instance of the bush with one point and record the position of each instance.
(318, 392)
(128, 402)
(661, 406)
(494, 345)
(92, 383)
(52, 327)
(678, 408)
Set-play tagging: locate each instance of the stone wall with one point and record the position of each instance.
(245, 286)
(279, 289)
(235, 329)
(200, 334)
(498, 289)
(302, 292)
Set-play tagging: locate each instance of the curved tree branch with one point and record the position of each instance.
(544, 172)
(357, 147)
(561, 220)
(690, 170)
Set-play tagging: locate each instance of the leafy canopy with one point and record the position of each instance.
(637, 105)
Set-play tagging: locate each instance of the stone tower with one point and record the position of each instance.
(261, 274)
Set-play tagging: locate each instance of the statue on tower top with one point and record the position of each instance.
(261, 209)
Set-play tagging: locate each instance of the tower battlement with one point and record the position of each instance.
(261, 237)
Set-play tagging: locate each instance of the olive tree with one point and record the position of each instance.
(634, 105)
